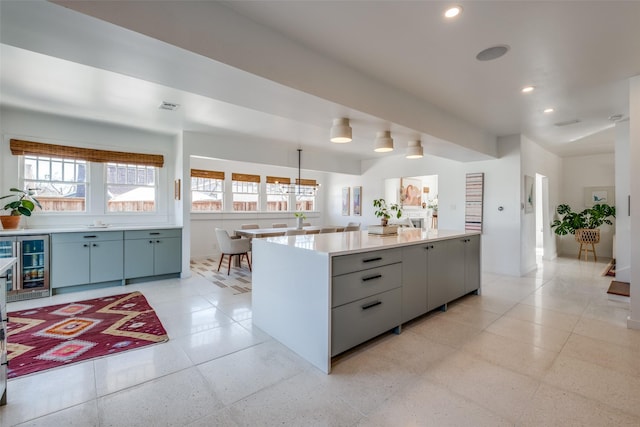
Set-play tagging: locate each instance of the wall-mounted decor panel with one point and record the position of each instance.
(473, 201)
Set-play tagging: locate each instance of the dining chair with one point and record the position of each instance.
(328, 230)
(352, 228)
(354, 224)
(249, 226)
(279, 225)
(231, 247)
(295, 232)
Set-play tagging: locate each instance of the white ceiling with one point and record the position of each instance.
(579, 56)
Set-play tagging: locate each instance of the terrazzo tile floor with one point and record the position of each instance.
(548, 349)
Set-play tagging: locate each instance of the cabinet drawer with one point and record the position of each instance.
(155, 233)
(361, 284)
(90, 236)
(359, 321)
(356, 262)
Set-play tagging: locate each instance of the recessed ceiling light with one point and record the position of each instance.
(567, 122)
(548, 110)
(615, 117)
(493, 52)
(452, 12)
(528, 89)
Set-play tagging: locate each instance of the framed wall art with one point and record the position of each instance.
(345, 201)
(473, 201)
(529, 194)
(357, 201)
(599, 195)
(410, 192)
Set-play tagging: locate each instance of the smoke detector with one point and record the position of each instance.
(168, 106)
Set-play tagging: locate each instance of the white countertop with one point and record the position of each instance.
(6, 263)
(84, 228)
(361, 241)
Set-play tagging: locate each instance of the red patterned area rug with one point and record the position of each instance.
(58, 335)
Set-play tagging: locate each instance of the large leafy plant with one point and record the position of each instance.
(23, 202)
(592, 217)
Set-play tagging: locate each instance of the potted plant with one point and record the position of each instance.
(584, 225)
(300, 216)
(384, 210)
(22, 203)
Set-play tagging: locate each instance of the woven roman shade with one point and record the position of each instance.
(278, 180)
(310, 182)
(245, 177)
(21, 148)
(201, 173)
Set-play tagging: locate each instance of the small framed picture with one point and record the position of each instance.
(357, 201)
(345, 201)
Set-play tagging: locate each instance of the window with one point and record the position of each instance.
(61, 184)
(207, 190)
(246, 192)
(277, 200)
(130, 188)
(306, 194)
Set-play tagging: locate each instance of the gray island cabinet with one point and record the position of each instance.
(323, 294)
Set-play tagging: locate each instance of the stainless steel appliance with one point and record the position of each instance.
(4, 318)
(30, 277)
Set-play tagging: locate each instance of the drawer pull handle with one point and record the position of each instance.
(372, 259)
(93, 236)
(377, 276)
(154, 234)
(371, 304)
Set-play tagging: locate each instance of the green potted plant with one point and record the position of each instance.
(584, 225)
(21, 203)
(384, 210)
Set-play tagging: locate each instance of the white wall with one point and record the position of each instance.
(596, 170)
(33, 126)
(623, 221)
(537, 160)
(634, 179)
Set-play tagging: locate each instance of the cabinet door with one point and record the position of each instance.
(414, 281)
(107, 261)
(445, 272)
(138, 258)
(168, 255)
(472, 264)
(70, 264)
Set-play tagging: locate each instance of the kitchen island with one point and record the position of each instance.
(323, 294)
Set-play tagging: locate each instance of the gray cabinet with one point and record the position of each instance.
(152, 252)
(436, 273)
(366, 297)
(472, 264)
(84, 258)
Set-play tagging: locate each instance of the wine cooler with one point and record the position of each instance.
(30, 277)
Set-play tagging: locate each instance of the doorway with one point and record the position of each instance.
(543, 222)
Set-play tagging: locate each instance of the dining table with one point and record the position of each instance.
(272, 232)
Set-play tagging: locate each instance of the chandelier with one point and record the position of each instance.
(302, 187)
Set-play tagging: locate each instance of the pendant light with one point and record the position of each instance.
(384, 142)
(414, 150)
(298, 188)
(340, 131)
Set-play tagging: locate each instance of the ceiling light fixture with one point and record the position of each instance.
(414, 150)
(384, 142)
(340, 131)
(548, 110)
(302, 187)
(528, 89)
(452, 12)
